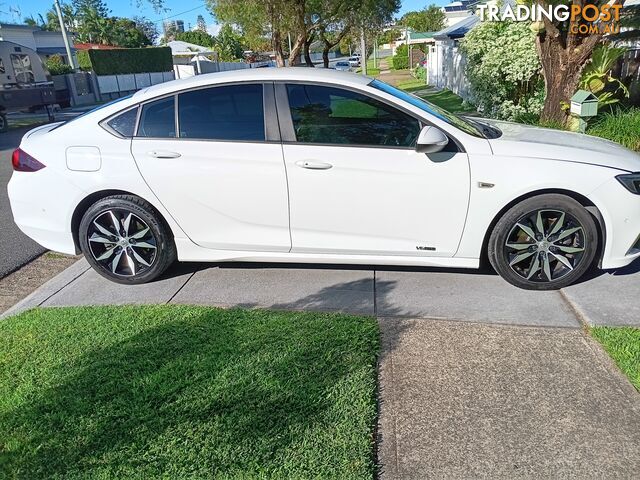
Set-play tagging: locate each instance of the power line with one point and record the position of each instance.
(178, 14)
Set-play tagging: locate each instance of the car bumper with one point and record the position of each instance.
(620, 210)
(42, 205)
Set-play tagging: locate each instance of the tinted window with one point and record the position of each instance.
(232, 112)
(158, 119)
(336, 116)
(124, 123)
(429, 107)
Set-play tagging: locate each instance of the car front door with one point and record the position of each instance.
(356, 183)
(213, 158)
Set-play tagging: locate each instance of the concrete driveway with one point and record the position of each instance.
(608, 298)
(477, 379)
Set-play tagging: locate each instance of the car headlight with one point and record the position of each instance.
(631, 182)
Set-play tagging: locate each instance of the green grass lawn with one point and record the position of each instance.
(371, 70)
(623, 345)
(144, 392)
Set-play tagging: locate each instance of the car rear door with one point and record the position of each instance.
(213, 158)
(356, 183)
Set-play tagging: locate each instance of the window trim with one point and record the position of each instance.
(272, 126)
(286, 122)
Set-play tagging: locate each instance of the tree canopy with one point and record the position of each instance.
(429, 19)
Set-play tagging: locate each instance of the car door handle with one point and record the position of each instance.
(314, 165)
(164, 154)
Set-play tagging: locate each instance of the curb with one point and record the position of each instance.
(50, 288)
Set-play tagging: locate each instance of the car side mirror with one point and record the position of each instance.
(431, 140)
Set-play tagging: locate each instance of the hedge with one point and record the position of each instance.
(131, 60)
(400, 60)
(84, 63)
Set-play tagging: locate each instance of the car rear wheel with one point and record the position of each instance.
(125, 240)
(544, 243)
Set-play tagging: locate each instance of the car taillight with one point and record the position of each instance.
(23, 162)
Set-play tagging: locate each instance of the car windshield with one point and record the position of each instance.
(475, 128)
(342, 64)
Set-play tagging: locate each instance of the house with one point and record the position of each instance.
(45, 43)
(458, 10)
(445, 64)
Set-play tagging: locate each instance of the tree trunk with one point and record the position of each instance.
(325, 56)
(277, 48)
(296, 48)
(563, 55)
(307, 54)
(561, 77)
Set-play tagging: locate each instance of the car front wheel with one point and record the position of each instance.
(125, 240)
(544, 243)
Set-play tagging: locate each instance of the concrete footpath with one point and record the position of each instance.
(477, 378)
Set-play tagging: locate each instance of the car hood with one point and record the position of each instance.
(537, 142)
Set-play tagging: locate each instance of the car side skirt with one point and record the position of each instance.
(189, 252)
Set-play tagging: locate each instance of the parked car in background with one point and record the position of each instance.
(343, 66)
(26, 81)
(354, 61)
(319, 166)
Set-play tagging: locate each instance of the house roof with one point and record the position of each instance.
(93, 46)
(457, 30)
(178, 46)
(422, 35)
(18, 25)
(53, 50)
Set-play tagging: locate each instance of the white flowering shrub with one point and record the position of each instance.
(504, 70)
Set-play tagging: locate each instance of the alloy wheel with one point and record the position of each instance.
(121, 242)
(545, 245)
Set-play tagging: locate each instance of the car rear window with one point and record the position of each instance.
(231, 112)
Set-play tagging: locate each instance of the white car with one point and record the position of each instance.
(354, 61)
(343, 66)
(319, 166)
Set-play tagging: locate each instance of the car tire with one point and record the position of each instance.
(125, 239)
(545, 242)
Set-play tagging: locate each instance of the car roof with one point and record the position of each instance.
(254, 74)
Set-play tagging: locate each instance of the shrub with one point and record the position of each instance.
(56, 65)
(84, 62)
(131, 60)
(401, 59)
(504, 70)
(622, 126)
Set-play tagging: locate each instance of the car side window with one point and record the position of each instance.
(125, 123)
(158, 119)
(331, 115)
(231, 112)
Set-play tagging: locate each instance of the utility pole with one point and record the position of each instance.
(409, 46)
(375, 53)
(363, 53)
(63, 29)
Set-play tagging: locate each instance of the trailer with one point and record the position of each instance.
(25, 82)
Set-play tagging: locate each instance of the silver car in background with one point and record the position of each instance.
(343, 66)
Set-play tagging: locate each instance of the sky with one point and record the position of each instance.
(13, 11)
